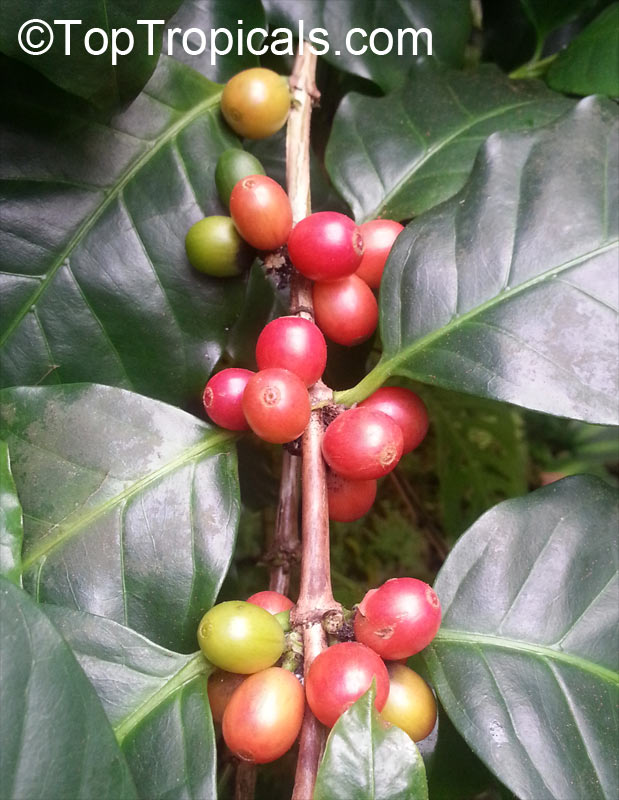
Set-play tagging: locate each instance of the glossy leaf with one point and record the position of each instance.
(155, 700)
(56, 741)
(11, 521)
(590, 63)
(525, 661)
(208, 16)
(130, 506)
(452, 769)
(509, 290)
(450, 25)
(369, 760)
(399, 155)
(93, 77)
(547, 15)
(481, 458)
(95, 282)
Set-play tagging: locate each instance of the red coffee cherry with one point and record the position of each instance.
(406, 408)
(378, 238)
(220, 688)
(339, 676)
(325, 246)
(261, 212)
(223, 398)
(399, 619)
(349, 500)
(346, 310)
(273, 602)
(276, 405)
(293, 343)
(264, 715)
(362, 444)
(411, 704)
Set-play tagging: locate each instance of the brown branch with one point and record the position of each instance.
(412, 505)
(284, 550)
(245, 781)
(315, 593)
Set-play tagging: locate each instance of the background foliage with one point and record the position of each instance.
(124, 515)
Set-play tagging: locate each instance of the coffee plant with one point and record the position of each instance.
(309, 367)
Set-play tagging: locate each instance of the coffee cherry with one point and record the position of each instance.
(295, 344)
(276, 405)
(362, 444)
(256, 102)
(240, 637)
(214, 247)
(273, 602)
(232, 166)
(223, 398)
(378, 238)
(325, 246)
(220, 687)
(261, 212)
(349, 500)
(398, 619)
(410, 704)
(264, 716)
(404, 407)
(339, 676)
(346, 310)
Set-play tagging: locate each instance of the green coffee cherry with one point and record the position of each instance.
(232, 166)
(240, 637)
(215, 248)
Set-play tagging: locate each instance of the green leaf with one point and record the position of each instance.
(368, 760)
(509, 290)
(453, 771)
(94, 78)
(525, 661)
(547, 15)
(399, 155)
(130, 506)
(56, 741)
(11, 521)
(481, 458)
(450, 25)
(590, 63)
(155, 700)
(209, 16)
(95, 281)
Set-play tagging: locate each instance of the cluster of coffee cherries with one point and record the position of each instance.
(260, 705)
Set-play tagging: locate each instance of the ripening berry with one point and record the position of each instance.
(362, 444)
(378, 238)
(325, 246)
(349, 500)
(276, 405)
(346, 310)
(399, 618)
(339, 676)
(256, 102)
(406, 408)
(223, 398)
(261, 212)
(295, 344)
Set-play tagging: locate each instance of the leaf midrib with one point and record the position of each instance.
(197, 665)
(389, 364)
(447, 635)
(65, 532)
(431, 151)
(109, 197)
